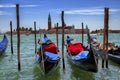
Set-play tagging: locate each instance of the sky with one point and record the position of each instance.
(90, 12)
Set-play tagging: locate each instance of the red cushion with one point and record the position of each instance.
(51, 48)
(75, 48)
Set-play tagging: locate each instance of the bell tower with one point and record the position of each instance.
(49, 22)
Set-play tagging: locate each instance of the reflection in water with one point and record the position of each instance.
(54, 75)
(112, 73)
(31, 71)
(79, 74)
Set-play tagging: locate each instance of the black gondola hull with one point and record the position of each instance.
(3, 45)
(49, 66)
(89, 64)
(115, 58)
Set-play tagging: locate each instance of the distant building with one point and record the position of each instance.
(49, 22)
(114, 31)
(68, 29)
(21, 32)
(101, 31)
(52, 30)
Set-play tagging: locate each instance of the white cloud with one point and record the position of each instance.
(12, 6)
(4, 13)
(6, 6)
(90, 11)
(29, 5)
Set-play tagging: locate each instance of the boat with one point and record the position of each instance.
(27, 34)
(81, 56)
(113, 51)
(114, 55)
(3, 45)
(94, 41)
(48, 56)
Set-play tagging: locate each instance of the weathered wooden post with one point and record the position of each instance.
(57, 34)
(106, 19)
(18, 36)
(41, 50)
(63, 25)
(35, 37)
(105, 38)
(88, 34)
(103, 52)
(82, 33)
(11, 38)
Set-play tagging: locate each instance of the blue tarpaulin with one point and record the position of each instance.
(3, 43)
(93, 37)
(69, 39)
(37, 58)
(45, 40)
(81, 55)
(52, 56)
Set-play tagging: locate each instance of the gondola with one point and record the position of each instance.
(113, 51)
(3, 45)
(49, 57)
(114, 55)
(81, 56)
(94, 42)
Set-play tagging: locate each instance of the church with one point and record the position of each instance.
(68, 29)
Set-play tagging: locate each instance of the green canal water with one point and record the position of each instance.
(31, 71)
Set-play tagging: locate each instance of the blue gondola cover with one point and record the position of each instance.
(45, 40)
(81, 55)
(37, 58)
(52, 56)
(3, 43)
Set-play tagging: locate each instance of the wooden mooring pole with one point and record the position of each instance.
(82, 33)
(103, 52)
(35, 37)
(105, 38)
(41, 50)
(63, 25)
(88, 34)
(11, 37)
(106, 11)
(18, 36)
(57, 34)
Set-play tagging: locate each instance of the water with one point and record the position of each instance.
(31, 71)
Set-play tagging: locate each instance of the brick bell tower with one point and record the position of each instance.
(49, 22)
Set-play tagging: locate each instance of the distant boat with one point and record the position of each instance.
(27, 34)
(3, 45)
(100, 34)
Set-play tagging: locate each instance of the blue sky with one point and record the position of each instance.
(90, 12)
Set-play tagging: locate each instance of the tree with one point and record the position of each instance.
(26, 29)
(30, 29)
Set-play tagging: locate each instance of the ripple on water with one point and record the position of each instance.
(31, 71)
